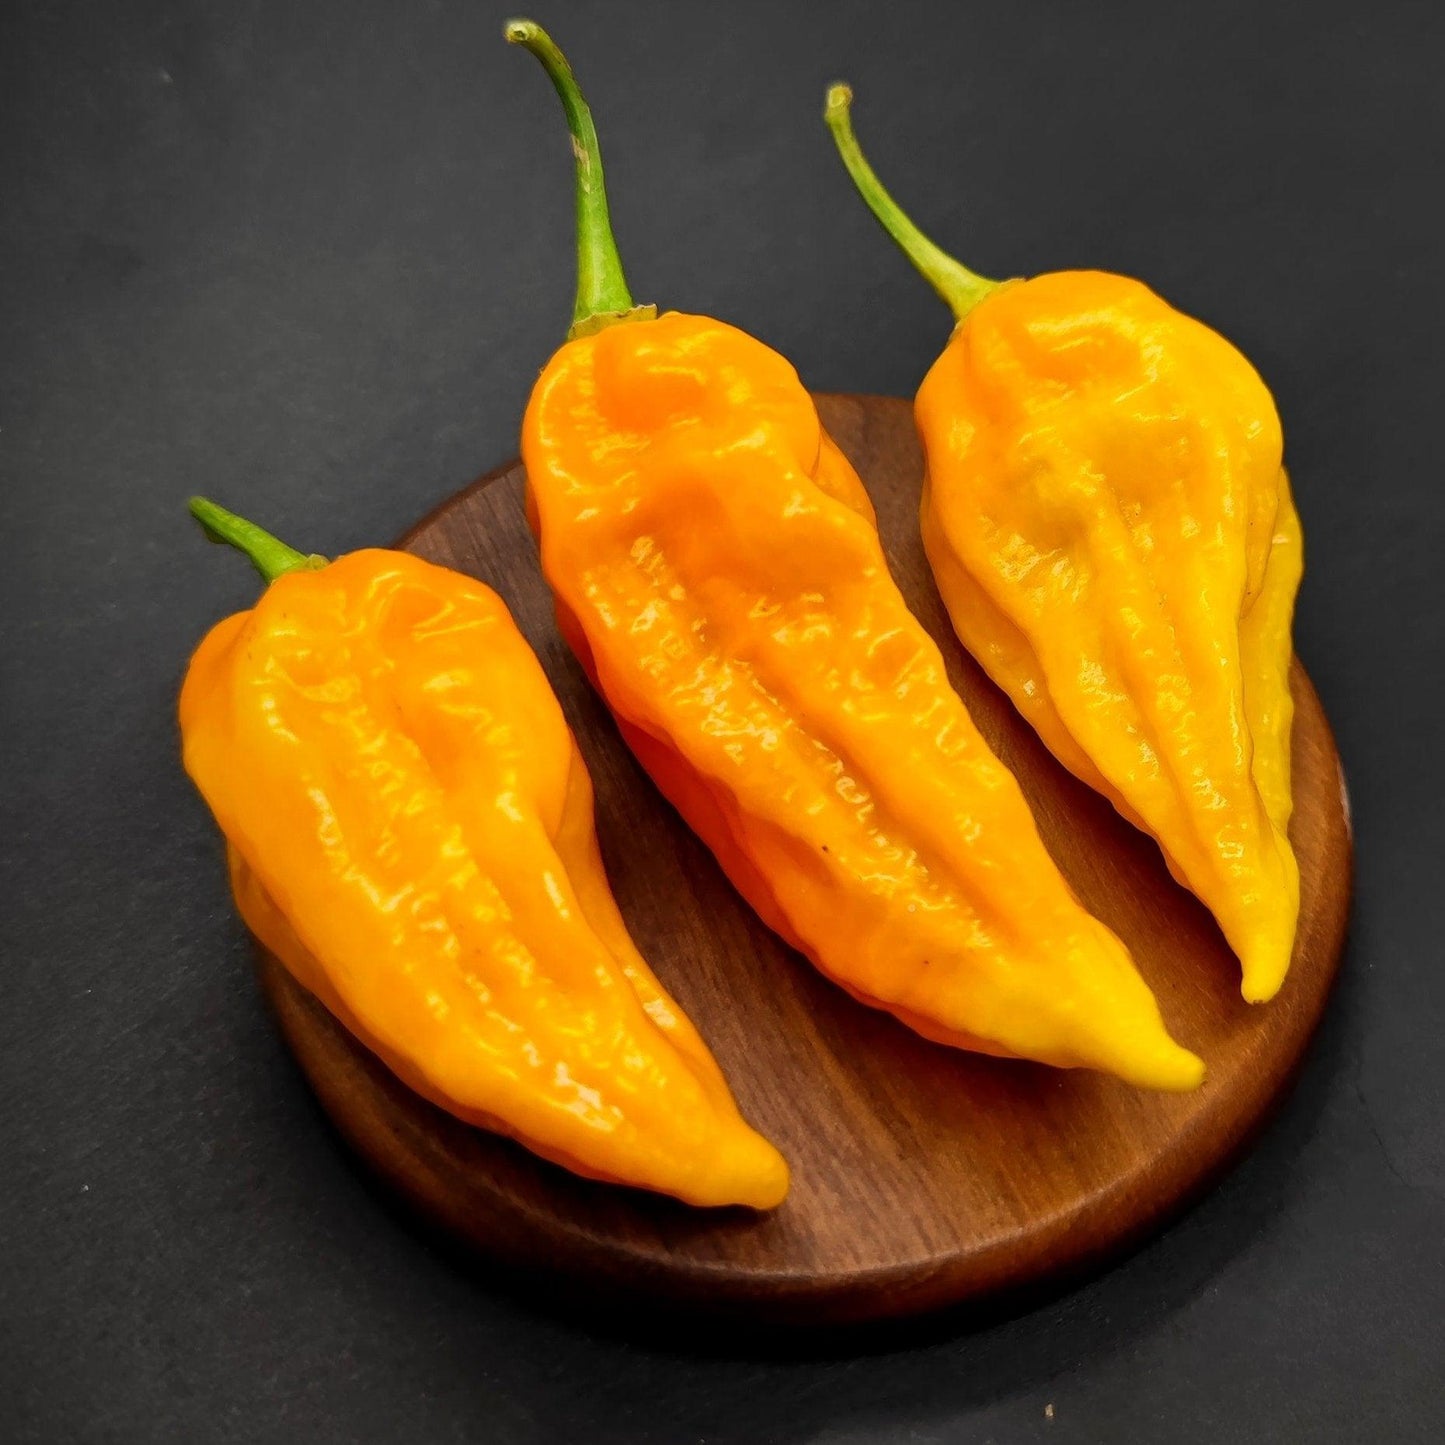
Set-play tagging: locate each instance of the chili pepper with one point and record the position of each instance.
(409, 827)
(1110, 525)
(717, 571)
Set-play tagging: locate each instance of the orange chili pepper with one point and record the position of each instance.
(717, 570)
(1112, 531)
(409, 826)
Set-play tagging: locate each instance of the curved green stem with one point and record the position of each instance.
(602, 294)
(961, 288)
(270, 557)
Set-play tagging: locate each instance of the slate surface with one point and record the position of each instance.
(307, 257)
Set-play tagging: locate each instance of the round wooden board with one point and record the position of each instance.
(922, 1176)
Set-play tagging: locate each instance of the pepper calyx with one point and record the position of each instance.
(601, 320)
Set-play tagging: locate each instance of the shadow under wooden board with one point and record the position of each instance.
(922, 1176)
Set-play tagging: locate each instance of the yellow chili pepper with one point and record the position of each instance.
(1111, 528)
(409, 825)
(717, 570)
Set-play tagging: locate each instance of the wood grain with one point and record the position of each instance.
(922, 1176)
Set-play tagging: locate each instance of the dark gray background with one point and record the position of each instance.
(307, 258)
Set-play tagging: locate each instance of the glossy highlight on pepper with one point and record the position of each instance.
(717, 570)
(409, 827)
(1108, 518)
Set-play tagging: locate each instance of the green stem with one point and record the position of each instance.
(602, 294)
(270, 557)
(961, 288)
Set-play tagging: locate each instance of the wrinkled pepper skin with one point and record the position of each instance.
(410, 831)
(717, 571)
(1111, 528)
